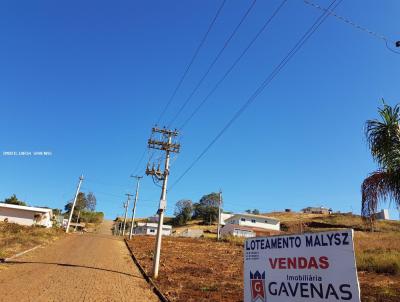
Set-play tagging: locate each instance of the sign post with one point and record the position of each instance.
(308, 267)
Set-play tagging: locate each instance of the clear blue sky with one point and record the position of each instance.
(86, 80)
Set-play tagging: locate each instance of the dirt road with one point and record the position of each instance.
(88, 267)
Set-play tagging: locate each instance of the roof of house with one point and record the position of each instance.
(154, 225)
(25, 208)
(254, 216)
(316, 208)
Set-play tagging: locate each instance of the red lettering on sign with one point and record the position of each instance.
(299, 263)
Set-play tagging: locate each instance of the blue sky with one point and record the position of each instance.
(86, 80)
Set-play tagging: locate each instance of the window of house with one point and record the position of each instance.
(266, 221)
(253, 221)
(242, 219)
(152, 231)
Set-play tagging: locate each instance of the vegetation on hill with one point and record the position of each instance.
(206, 210)
(15, 238)
(14, 200)
(85, 208)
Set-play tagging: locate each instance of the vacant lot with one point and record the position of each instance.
(16, 238)
(205, 270)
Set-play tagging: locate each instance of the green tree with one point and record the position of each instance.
(183, 211)
(383, 138)
(14, 200)
(207, 208)
(81, 203)
(91, 202)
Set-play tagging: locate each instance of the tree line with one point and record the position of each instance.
(206, 209)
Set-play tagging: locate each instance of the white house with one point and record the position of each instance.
(146, 228)
(237, 230)
(382, 215)
(26, 215)
(224, 217)
(257, 221)
(250, 225)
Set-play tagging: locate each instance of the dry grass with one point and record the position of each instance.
(378, 252)
(15, 238)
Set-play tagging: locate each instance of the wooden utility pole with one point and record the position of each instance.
(165, 144)
(219, 216)
(134, 204)
(73, 204)
(126, 205)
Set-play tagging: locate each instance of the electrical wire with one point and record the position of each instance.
(191, 61)
(355, 25)
(268, 80)
(137, 168)
(221, 51)
(261, 30)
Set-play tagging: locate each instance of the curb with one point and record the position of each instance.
(152, 284)
(4, 260)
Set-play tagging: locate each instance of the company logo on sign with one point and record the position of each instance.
(257, 286)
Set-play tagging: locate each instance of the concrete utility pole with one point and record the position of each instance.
(73, 204)
(134, 204)
(219, 216)
(168, 146)
(126, 205)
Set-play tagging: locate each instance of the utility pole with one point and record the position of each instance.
(134, 204)
(219, 216)
(126, 205)
(165, 144)
(73, 204)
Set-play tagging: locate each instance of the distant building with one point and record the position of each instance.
(317, 210)
(225, 216)
(147, 228)
(382, 215)
(25, 215)
(250, 225)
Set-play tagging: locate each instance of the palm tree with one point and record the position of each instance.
(383, 138)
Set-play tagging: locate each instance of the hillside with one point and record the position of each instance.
(195, 264)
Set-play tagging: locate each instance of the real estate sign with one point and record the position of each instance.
(308, 267)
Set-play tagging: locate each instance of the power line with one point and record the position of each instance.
(262, 29)
(221, 51)
(355, 25)
(269, 78)
(191, 61)
(140, 161)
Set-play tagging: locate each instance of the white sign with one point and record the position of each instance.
(307, 267)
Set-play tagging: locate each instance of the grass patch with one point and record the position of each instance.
(378, 252)
(15, 238)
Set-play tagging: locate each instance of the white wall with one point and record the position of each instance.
(230, 229)
(146, 230)
(224, 217)
(24, 217)
(262, 223)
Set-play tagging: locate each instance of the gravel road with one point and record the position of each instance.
(79, 267)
